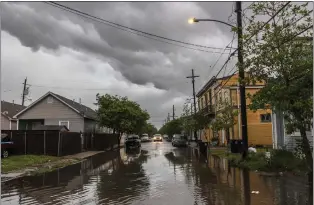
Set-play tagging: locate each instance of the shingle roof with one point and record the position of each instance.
(88, 112)
(10, 109)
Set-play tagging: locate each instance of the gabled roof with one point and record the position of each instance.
(10, 109)
(83, 110)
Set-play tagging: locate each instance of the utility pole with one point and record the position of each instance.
(168, 118)
(173, 112)
(24, 91)
(241, 79)
(194, 99)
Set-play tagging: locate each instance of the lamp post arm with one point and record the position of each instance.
(197, 20)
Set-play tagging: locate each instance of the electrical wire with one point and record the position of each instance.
(128, 29)
(212, 67)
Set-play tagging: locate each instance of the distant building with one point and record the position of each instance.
(8, 110)
(217, 90)
(54, 109)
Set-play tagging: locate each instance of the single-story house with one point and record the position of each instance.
(281, 139)
(54, 109)
(8, 110)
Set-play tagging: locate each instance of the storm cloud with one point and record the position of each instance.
(146, 70)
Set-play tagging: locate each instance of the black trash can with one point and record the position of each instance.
(233, 147)
(236, 146)
(203, 148)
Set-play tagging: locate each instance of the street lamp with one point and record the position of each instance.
(241, 70)
(194, 20)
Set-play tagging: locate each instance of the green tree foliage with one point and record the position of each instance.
(191, 121)
(121, 114)
(149, 129)
(172, 127)
(225, 119)
(281, 54)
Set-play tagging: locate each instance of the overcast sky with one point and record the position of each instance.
(75, 57)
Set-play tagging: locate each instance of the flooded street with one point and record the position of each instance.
(157, 174)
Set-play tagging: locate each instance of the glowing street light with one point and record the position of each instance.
(192, 20)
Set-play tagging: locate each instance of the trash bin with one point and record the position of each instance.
(236, 146)
(203, 148)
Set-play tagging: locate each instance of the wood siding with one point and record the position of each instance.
(54, 112)
(259, 133)
(5, 123)
(89, 125)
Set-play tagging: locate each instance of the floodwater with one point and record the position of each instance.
(158, 174)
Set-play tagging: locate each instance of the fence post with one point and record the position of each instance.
(59, 144)
(25, 145)
(44, 142)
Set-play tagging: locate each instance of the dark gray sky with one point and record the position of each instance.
(75, 57)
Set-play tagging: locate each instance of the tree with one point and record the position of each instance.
(191, 121)
(120, 114)
(172, 127)
(149, 129)
(281, 54)
(225, 119)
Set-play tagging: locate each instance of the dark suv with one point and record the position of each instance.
(132, 141)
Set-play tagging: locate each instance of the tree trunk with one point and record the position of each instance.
(119, 139)
(227, 135)
(306, 148)
(308, 155)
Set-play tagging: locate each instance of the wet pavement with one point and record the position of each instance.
(157, 174)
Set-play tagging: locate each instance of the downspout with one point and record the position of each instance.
(17, 124)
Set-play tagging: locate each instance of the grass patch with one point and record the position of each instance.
(280, 161)
(19, 162)
(219, 152)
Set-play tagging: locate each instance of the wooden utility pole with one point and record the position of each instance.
(194, 98)
(173, 112)
(24, 91)
(241, 79)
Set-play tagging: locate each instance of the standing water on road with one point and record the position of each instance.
(156, 174)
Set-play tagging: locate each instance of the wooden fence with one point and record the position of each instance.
(57, 143)
(53, 143)
(103, 141)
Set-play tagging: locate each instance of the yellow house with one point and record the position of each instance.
(217, 90)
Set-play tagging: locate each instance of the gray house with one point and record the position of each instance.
(8, 110)
(53, 109)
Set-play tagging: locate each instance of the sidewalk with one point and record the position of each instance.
(83, 155)
(49, 166)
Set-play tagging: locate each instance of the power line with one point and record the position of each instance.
(129, 29)
(212, 67)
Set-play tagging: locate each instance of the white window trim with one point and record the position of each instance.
(63, 121)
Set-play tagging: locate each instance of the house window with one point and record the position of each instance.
(65, 123)
(265, 117)
(50, 99)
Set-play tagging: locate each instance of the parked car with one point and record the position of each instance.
(165, 137)
(132, 141)
(157, 137)
(7, 145)
(179, 140)
(145, 138)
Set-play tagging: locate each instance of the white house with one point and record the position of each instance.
(280, 137)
